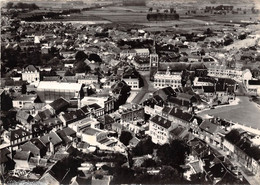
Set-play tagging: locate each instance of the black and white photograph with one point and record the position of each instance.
(110, 92)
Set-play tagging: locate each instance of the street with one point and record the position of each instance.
(147, 88)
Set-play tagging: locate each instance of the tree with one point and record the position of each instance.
(125, 137)
(9, 5)
(80, 56)
(176, 148)
(6, 102)
(94, 57)
(144, 147)
(24, 89)
(150, 9)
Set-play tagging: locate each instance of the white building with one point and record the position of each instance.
(20, 101)
(159, 129)
(253, 87)
(246, 76)
(222, 71)
(88, 80)
(132, 82)
(30, 74)
(144, 52)
(167, 79)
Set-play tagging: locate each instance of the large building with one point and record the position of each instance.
(222, 71)
(30, 74)
(50, 91)
(159, 129)
(167, 79)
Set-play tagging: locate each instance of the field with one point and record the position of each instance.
(137, 16)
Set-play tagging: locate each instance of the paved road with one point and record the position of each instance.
(145, 89)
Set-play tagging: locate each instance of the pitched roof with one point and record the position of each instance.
(209, 126)
(59, 104)
(51, 137)
(73, 115)
(68, 131)
(30, 68)
(161, 121)
(43, 115)
(22, 155)
(19, 133)
(178, 113)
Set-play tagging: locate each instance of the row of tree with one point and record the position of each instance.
(162, 17)
(21, 5)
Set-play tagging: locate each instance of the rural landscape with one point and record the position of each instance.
(130, 92)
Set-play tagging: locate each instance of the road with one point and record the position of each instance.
(147, 88)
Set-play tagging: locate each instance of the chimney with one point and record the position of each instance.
(159, 118)
(175, 110)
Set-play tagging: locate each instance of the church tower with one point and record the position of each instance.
(154, 61)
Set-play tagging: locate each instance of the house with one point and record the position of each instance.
(67, 135)
(30, 74)
(88, 80)
(204, 81)
(131, 112)
(253, 87)
(210, 132)
(165, 93)
(52, 141)
(179, 116)
(35, 146)
(72, 116)
(54, 175)
(17, 137)
(20, 101)
(58, 105)
(159, 129)
(24, 117)
(132, 78)
(43, 115)
(21, 159)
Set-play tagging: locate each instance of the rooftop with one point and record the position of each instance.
(161, 121)
(59, 86)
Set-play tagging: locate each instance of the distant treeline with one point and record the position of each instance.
(162, 17)
(39, 16)
(21, 5)
(134, 3)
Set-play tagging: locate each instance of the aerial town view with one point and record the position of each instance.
(130, 92)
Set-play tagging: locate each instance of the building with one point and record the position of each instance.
(50, 91)
(88, 80)
(30, 74)
(167, 79)
(135, 52)
(131, 112)
(20, 101)
(159, 129)
(132, 78)
(253, 87)
(222, 71)
(17, 137)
